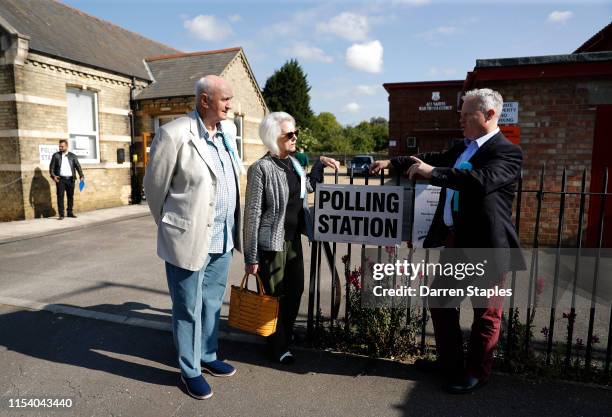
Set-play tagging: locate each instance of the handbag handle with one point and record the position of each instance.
(245, 283)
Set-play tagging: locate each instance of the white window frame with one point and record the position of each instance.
(95, 133)
(240, 134)
(411, 142)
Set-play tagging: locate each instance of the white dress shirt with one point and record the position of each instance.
(65, 168)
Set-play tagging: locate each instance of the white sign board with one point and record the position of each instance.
(509, 114)
(426, 198)
(364, 214)
(46, 152)
(81, 142)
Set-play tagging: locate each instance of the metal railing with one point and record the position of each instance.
(329, 251)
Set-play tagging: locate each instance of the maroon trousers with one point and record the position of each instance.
(483, 339)
(485, 331)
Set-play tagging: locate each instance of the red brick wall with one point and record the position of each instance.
(433, 129)
(557, 119)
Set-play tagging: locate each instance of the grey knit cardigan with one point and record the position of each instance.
(267, 194)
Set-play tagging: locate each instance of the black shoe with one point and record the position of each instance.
(428, 366)
(467, 386)
(72, 215)
(60, 218)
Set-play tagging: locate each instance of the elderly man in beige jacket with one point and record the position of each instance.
(192, 188)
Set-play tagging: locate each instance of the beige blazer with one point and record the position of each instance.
(180, 186)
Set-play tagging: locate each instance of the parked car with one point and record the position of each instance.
(361, 164)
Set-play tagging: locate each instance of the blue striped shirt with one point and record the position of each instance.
(222, 240)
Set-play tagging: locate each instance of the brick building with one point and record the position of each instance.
(68, 75)
(558, 108)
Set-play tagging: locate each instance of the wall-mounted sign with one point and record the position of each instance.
(435, 104)
(509, 114)
(512, 133)
(46, 152)
(426, 198)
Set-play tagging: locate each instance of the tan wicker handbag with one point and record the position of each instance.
(253, 311)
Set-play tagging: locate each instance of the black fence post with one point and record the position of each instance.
(553, 306)
(519, 197)
(602, 212)
(572, 315)
(533, 270)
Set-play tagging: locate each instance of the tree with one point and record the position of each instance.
(360, 137)
(327, 132)
(288, 90)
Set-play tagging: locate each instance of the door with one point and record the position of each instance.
(602, 158)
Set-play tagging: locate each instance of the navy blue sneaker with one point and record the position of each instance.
(218, 368)
(197, 387)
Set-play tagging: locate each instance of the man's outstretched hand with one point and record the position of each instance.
(378, 165)
(419, 169)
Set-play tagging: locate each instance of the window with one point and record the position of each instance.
(239, 122)
(162, 120)
(83, 134)
(411, 142)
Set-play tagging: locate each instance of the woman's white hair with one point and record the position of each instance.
(486, 99)
(270, 129)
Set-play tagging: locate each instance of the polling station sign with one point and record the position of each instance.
(364, 214)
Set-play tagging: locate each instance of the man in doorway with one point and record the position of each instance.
(63, 168)
(192, 188)
(479, 178)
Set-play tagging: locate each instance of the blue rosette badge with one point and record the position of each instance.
(463, 165)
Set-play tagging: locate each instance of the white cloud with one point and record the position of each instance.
(437, 33)
(299, 22)
(305, 51)
(367, 90)
(234, 18)
(366, 57)
(352, 107)
(208, 28)
(350, 26)
(437, 72)
(560, 16)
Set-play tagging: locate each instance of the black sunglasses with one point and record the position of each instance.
(292, 135)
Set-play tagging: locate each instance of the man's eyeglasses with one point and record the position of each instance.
(292, 135)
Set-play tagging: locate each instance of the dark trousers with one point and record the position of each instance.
(282, 274)
(483, 339)
(65, 185)
(484, 334)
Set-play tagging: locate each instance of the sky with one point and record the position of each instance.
(348, 49)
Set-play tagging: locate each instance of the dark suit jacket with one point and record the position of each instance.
(486, 194)
(56, 164)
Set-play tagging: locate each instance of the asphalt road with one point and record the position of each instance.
(110, 369)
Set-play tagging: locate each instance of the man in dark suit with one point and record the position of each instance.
(63, 168)
(479, 178)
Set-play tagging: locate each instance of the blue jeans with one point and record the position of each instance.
(196, 306)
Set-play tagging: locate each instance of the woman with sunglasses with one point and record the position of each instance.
(276, 213)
